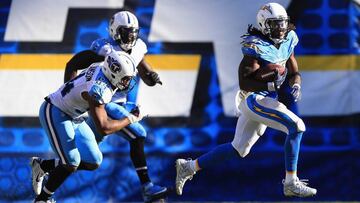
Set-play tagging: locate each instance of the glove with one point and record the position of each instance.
(296, 92)
(155, 77)
(135, 115)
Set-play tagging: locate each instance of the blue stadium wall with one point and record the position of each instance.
(329, 152)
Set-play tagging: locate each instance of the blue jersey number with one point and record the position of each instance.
(69, 85)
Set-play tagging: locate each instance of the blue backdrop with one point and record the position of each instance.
(329, 152)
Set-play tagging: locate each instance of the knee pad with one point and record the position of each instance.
(247, 139)
(242, 150)
(90, 166)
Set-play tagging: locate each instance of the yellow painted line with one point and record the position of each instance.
(171, 62)
(327, 63)
(58, 61)
(34, 61)
(174, 61)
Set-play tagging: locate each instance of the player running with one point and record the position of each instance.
(272, 43)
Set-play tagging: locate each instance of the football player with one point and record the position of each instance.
(75, 143)
(272, 42)
(123, 30)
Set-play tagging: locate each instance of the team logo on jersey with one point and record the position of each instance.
(114, 66)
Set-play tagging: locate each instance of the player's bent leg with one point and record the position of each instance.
(270, 112)
(91, 156)
(60, 131)
(37, 174)
(184, 172)
(275, 115)
(246, 134)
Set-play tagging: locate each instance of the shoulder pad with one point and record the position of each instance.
(250, 45)
(140, 44)
(293, 37)
(101, 93)
(101, 46)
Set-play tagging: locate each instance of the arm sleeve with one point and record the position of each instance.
(101, 47)
(80, 61)
(83, 60)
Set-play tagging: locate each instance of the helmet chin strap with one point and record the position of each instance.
(277, 41)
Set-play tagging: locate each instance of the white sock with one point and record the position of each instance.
(193, 165)
(290, 177)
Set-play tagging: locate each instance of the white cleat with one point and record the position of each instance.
(298, 188)
(183, 173)
(37, 174)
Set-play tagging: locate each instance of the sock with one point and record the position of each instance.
(138, 158)
(56, 177)
(143, 175)
(220, 154)
(48, 165)
(292, 148)
(194, 166)
(290, 176)
(44, 195)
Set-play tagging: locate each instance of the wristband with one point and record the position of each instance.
(271, 86)
(296, 85)
(132, 118)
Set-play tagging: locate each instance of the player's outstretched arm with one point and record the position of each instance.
(80, 61)
(147, 74)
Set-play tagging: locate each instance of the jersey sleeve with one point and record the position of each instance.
(101, 93)
(250, 48)
(101, 47)
(142, 46)
(294, 39)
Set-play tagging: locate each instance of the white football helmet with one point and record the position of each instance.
(124, 29)
(119, 69)
(273, 21)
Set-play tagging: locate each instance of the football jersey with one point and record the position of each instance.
(265, 51)
(68, 97)
(103, 46)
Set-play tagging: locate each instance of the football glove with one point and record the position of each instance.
(296, 92)
(155, 77)
(135, 115)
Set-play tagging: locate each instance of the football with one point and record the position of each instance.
(269, 72)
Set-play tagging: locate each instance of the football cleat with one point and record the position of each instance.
(37, 174)
(45, 201)
(298, 188)
(183, 173)
(151, 192)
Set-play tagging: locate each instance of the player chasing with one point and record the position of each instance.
(123, 31)
(88, 92)
(272, 42)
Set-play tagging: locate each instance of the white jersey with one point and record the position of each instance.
(103, 46)
(68, 97)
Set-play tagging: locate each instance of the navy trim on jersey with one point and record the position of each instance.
(54, 135)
